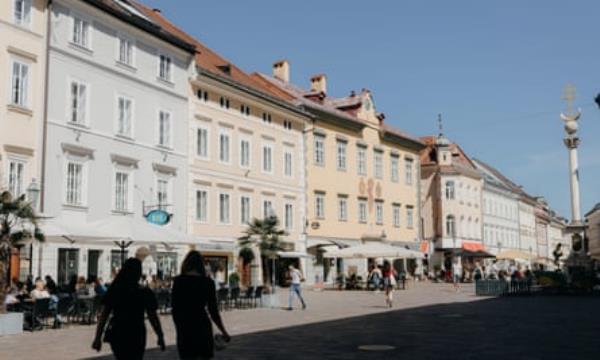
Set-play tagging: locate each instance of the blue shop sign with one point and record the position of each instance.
(158, 217)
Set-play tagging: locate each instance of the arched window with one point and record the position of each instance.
(450, 225)
(450, 190)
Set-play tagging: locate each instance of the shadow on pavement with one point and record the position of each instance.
(503, 328)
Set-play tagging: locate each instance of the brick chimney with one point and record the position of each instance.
(281, 70)
(318, 83)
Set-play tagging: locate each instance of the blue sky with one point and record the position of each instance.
(495, 70)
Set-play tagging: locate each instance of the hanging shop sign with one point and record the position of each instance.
(158, 217)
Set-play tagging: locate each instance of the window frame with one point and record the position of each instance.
(87, 39)
(83, 163)
(288, 154)
(395, 168)
(129, 191)
(248, 140)
(396, 215)
(341, 155)
(11, 159)
(409, 171)
(361, 160)
(197, 216)
(170, 75)
(24, 86)
(342, 207)
(249, 212)
(222, 134)
(86, 108)
(288, 227)
(120, 97)
(169, 144)
(378, 164)
(319, 160)
(121, 38)
(26, 21)
(271, 147)
(379, 212)
(320, 205)
(220, 207)
(206, 129)
(410, 216)
(363, 204)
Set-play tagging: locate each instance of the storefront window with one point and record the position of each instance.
(217, 265)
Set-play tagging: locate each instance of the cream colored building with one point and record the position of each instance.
(593, 231)
(452, 198)
(246, 161)
(22, 75)
(362, 175)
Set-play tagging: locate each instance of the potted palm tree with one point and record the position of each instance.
(17, 224)
(267, 236)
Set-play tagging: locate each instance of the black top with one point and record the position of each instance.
(129, 310)
(191, 297)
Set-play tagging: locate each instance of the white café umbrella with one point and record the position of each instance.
(374, 250)
(131, 229)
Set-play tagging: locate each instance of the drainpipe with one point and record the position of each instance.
(45, 127)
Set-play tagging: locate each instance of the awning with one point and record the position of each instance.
(293, 254)
(126, 228)
(514, 255)
(472, 246)
(373, 250)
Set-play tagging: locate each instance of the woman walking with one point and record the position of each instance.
(389, 282)
(193, 293)
(128, 302)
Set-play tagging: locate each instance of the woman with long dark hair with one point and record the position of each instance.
(128, 302)
(193, 293)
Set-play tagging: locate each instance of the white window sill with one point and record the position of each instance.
(165, 81)
(19, 109)
(125, 66)
(125, 137)
(82, 208)
(164, 147)
(77, 125)
(81, 48)
(122, 212)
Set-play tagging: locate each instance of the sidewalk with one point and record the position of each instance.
(74, 342)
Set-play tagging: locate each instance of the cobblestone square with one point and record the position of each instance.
(428, 321)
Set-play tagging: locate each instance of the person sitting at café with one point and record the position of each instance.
(99, 287)
(12, 297)
(39, 291)
(51, 285)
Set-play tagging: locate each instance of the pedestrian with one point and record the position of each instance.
(128, 302)
(389, 282)
(456, 275)
(478, 272)
(193, 293)
(376, 276)
(296, 280)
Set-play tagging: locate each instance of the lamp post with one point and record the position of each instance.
(33, 193)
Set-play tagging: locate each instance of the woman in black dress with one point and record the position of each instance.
(128, 302)
(193, 293)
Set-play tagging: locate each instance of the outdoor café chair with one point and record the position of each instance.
(37, 317)
(248, 296)
(234, 297)
(258, 296)
(223, 298)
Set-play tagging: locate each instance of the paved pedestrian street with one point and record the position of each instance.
(428, 321)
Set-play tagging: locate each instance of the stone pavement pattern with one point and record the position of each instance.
(428, 321)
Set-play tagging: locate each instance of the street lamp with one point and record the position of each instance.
(33, 193)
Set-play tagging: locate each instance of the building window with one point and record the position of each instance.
(319, 154)
(78, 103)
(378, 164)
(267, 159)
(409, 217)
(121, 191)
(268, 209)
(362, 210)
(224, 102)
(394, 169)
(320, 205)
(245, 110)
(202, 205)
(362, 161)
(287, 125)
(396, 215)
(245, 153)
(162, 193)
(408, 171)
(342, 208)
(202, 142)
(74, 188)
(124, 114)
(341, 155)
(16, 177)
(224, 208)
(202, 95)
(449, 190)
(379, 212)
(450, 226)
(224, 147)
(244, 210)
(20, 84)
(164, 129)
(125, 51)
(266, 118)
(22, 12)
(289, 217)
(81, 33)
(165, 68)
(287, 162)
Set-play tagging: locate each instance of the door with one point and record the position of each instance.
(93, 259)
(68, 265)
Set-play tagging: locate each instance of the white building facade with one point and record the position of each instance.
(500, 207)
(116, 138)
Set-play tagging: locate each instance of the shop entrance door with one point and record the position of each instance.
(68, 265)
(93, 259)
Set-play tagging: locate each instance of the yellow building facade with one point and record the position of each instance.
(22, 75)
(362, 176)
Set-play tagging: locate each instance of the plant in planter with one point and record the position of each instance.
(267, 236)
(234, 280)
(17, 223)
